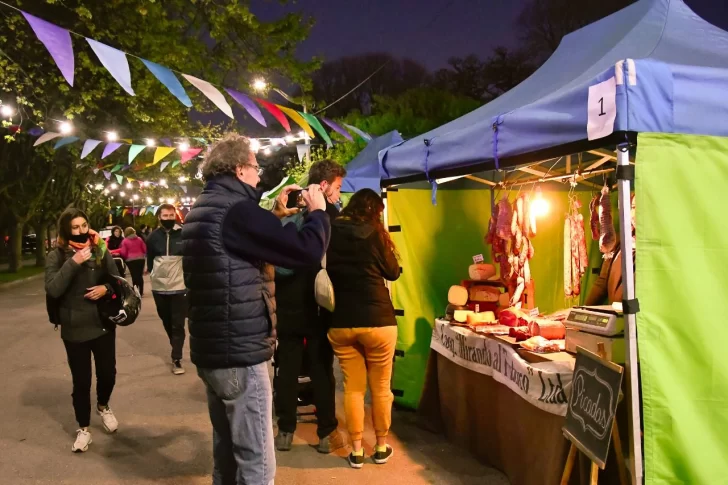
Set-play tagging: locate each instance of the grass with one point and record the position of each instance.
(24, 272)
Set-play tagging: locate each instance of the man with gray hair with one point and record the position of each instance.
(229, 246)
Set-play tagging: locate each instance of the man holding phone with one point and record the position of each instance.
(229, 246)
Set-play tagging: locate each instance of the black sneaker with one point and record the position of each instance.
(356, 461)
(382, 457)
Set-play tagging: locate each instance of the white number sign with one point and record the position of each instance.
(602, 110)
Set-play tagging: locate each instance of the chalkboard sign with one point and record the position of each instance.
(593, 403)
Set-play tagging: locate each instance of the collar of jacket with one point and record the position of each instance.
(231, 183)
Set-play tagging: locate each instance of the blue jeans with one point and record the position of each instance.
(240, 401)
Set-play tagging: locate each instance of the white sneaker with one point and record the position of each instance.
(83, 439)
(109, 420)
(177, 368)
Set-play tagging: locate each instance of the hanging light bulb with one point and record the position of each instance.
(161, 200)
(266, 151)
(183, 179)
(539, 205)
(290, 138)
(163, 182)
(129, 185)
(170, 200)
(184, 146)
(302, 134)
(99, 187)
(113, 186)
(122, 193)
(254, 145)
(259, 84)
(6, 111)
(135, 197)
(149, 200)
(106, 192)
(65, 128)
(151, 142)
(112, 136)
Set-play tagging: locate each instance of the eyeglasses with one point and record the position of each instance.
(256, 167)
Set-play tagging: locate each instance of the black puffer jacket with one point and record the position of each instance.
(358, 263)
(68, 281)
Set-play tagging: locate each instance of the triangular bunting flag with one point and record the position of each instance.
(317, 126)
(58, 42)
(175, 163)
(116, 168)
(35, 131)
(135, 150)
(119, 178)
(303, 151)
(248, 104)
(184, 188)
(142, 211)
(110, 148)
(124, 212)
(115, 62)
(160, 153)
(163, 166)
(170, 81)
(277, 114)
(65, 141)
(212, 94)
(190, 154)
(128, 141)
(365, 136)
(300, 121)
(88, 147)
(166, 142)
(203, 141)
(46, 137)
(107, 174)
(337, 128)
(96, 170)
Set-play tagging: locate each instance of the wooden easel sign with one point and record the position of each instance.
(590, 422)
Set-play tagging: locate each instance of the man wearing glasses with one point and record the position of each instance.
(229, 246)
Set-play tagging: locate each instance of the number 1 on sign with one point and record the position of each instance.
(601, 109)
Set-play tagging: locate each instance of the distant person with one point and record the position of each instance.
(73, 271)
(113, 244)
(230, 243)
(134, 252)
(300, 319)
(164, 262)
(363, 331)
(142, 232)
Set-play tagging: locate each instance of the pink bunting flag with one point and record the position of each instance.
(190, 154)
(212, 94)
(46, 137)
(58, 42)
(277, 114)
(110, 148)
(115, 62)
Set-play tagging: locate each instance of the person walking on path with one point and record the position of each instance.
(230, 243)
(301, 320)
(72, 274)
(363, 333)
(134, 252)
(113, 245)
(164, 263)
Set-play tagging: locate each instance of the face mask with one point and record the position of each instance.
(79, 238)
(168, 224)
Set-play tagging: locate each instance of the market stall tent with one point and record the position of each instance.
(363, 170)
(662, 73)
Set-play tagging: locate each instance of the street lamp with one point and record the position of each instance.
(260, 85)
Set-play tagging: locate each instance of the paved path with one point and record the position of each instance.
(164, 434)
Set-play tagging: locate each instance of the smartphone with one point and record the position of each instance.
(295, 199)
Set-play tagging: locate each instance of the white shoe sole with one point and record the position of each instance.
(108, 430)
(382, 462)
(356, 466)
(81, 450)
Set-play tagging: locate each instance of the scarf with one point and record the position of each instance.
(94, 241)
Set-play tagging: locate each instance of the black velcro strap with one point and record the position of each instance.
(398, 313)
(596, 271)
(401, 270)
(397, 392)
(395, 228)
(392, 189)
(625, 172)
(631, 307)
(399, 353)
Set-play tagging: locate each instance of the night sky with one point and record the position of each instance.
(402, 27)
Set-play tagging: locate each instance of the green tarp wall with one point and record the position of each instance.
(437, 244)
(682, 285)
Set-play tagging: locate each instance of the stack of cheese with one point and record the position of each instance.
(458, 297)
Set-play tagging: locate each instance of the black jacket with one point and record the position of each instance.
(68, 281)
(358, 262)
(229, 244)
(298, 313)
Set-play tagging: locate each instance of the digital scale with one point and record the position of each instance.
(595, 328)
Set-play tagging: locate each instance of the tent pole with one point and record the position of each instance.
(385, 217)
(631, 362)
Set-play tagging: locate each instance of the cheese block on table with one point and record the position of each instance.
(481, 271)
(484, 294)
(461, 316)
(457, 295)
(480, 318)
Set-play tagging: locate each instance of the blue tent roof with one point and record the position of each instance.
(363, 171)
(671, 75)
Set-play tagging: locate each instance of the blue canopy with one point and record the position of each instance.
(670, 68)
(363, 171)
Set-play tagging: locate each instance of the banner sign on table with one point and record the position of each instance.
(546, 385)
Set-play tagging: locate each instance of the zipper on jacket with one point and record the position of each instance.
(168, 244)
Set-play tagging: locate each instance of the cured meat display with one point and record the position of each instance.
(541, 345)
(509, 234)
(607, 234)
(576, 258)
(547, 329)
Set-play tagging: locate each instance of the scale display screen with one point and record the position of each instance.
(595, 321)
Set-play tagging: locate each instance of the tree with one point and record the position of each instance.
(220, 41)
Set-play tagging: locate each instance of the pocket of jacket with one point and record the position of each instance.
(224, 383)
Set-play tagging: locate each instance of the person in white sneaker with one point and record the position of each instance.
(72, 276)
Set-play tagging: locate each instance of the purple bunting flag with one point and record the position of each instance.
(58, 42)
(248, 104)
(163, 166)
(167, 142)
(35, 131)
(88, 147)
(115, 62)
(337, 128)
(107, 175)
(110, 148)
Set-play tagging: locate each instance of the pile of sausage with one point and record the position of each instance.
(602, 226)
(511, 227)
(576, 258)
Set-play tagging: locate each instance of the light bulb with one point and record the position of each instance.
(161, 200)
(194, 200)
(162, 182)
(301, 134)
(65, 128)
(129, 185)
(170, 201)
(112, 136)
(183, 179)
(99, 187)
(106, 192)
(290, 138)
(149, 200)
(254, 145)
(151, 142)
(260, 84)
(266, 151)
(135, 197)
(123, 194)
(183, 147)
(539, 205)
(114, 186)
(6, 111)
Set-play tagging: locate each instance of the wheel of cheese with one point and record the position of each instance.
(461, 316)
(481, 271)
(484, 294)
(484, 317)
(457, 295)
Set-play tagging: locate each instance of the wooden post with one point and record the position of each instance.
(594, 476)
(621, 465)
(569, 465)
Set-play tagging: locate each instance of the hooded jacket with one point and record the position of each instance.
(164, 261)
(358, 262)
(133, 248)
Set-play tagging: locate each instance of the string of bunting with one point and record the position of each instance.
(57, 41)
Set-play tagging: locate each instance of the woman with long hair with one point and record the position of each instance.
(363, 333)
(113, 245)
(72, 276)
(134, 252)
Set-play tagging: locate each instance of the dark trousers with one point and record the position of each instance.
(172, 309)
(320, 358)
(120, 266)
(136, 268)
(79, 360)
